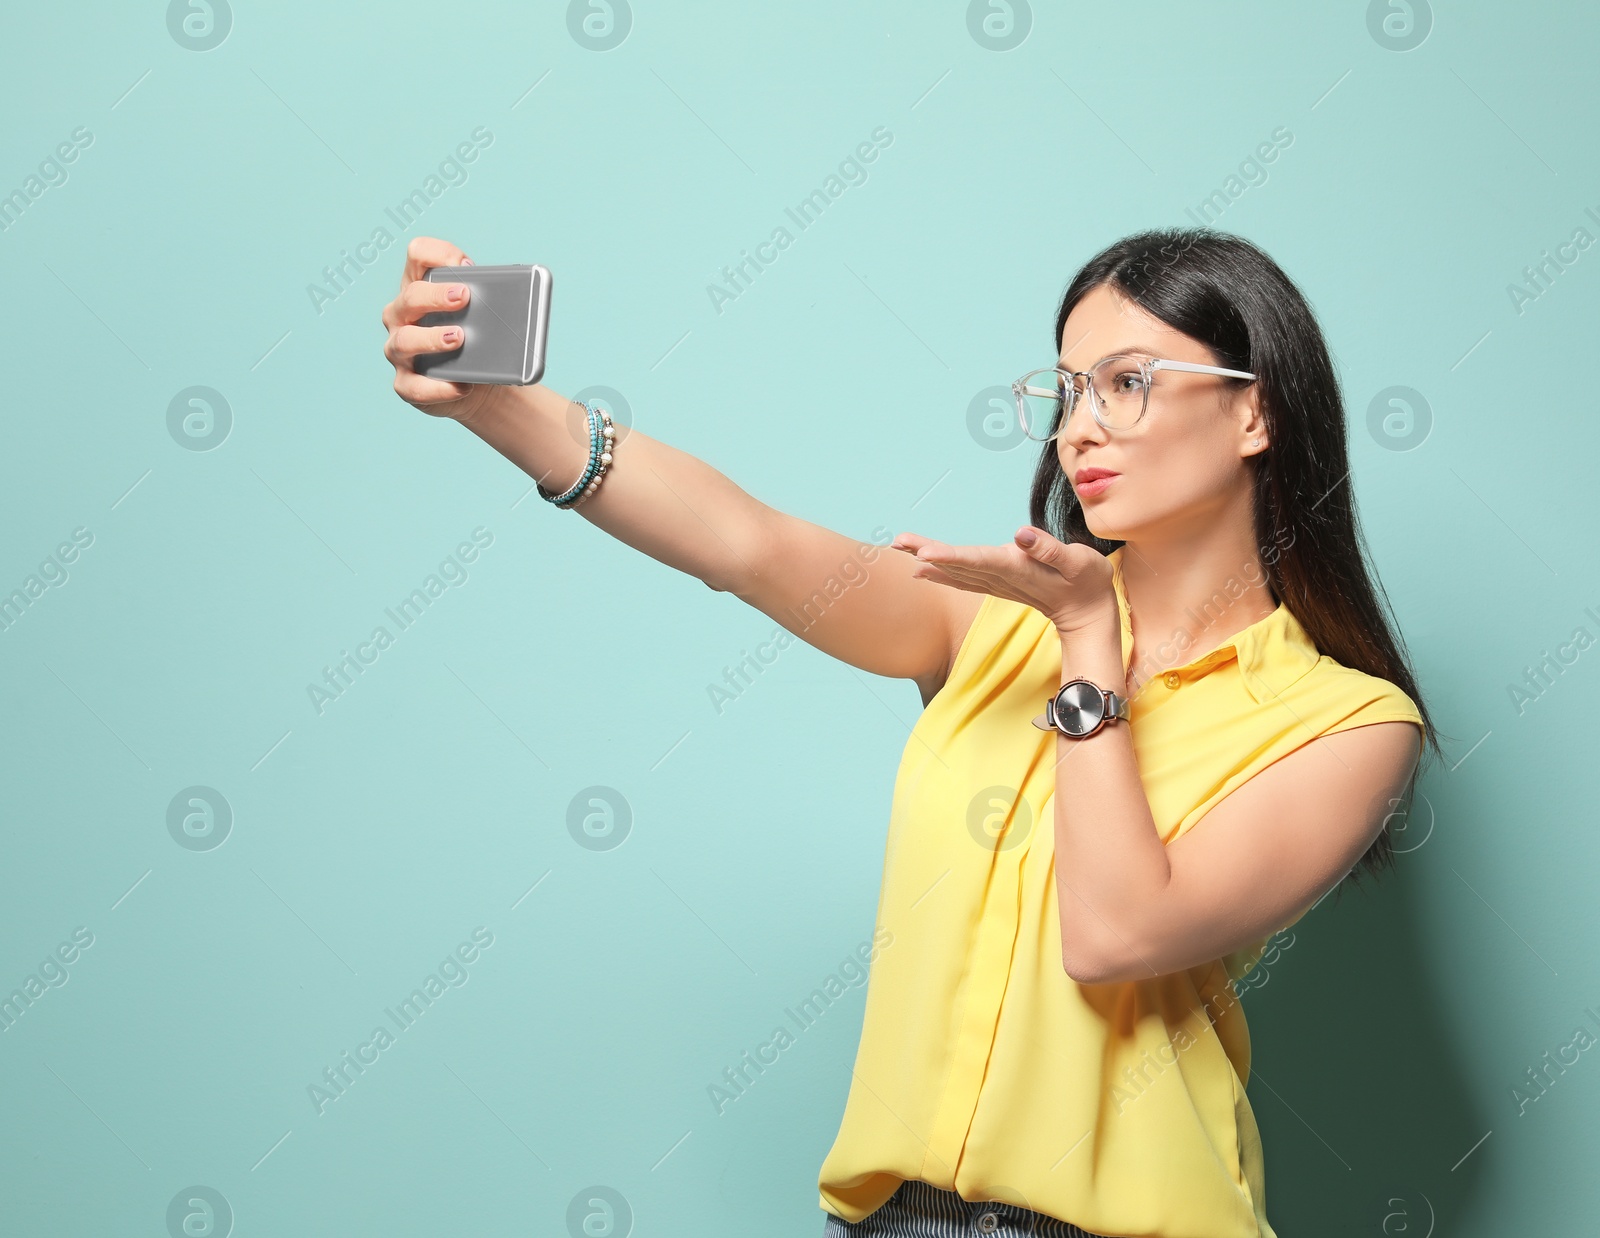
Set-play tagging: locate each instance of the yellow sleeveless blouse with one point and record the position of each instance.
(983, 1067)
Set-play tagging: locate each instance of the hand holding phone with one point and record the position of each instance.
(504, 324)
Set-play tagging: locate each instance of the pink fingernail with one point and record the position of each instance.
(451, 334)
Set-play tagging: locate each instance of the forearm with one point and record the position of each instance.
(667, 503)
(1110, 861)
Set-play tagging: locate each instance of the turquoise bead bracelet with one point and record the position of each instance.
(601, 435)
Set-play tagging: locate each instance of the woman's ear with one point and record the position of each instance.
(1252, 423)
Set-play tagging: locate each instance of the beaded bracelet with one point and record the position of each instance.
(601, 435)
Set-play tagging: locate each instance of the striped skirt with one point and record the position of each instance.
(919, 1209)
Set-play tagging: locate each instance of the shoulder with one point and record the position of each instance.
(1348, 697)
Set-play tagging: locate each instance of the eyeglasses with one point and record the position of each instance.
(1119, 389)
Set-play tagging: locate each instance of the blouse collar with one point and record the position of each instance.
(1273, 652)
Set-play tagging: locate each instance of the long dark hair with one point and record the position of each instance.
(1226, 293)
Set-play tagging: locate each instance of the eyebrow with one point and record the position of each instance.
(1140, 349)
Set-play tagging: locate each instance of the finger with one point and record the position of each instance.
(419, 389)
(426, 252)
(995, 569)
(939, 578)
(989, 558)
(1005, 570)
(1036, 543)
(1069, 560)
(949, 570)
(405, 343)
(924, 546)
(999, 588)
(980, 582)
(422, 297)
(909, 542)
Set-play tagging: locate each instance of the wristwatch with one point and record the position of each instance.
(1080, 709)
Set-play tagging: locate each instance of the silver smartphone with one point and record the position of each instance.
(504, 324)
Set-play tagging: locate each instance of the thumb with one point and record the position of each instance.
(1038, 544)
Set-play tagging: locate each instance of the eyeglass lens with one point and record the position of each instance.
(1048, 397)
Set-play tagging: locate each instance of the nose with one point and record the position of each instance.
(1081, 423)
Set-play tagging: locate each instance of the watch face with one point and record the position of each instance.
(1079, 707)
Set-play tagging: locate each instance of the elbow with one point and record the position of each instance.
(1081, 961)
(730, 576)
(738, 571)
(1092, 952)
(1088, 973)
(1088, 968)
(1083, 956)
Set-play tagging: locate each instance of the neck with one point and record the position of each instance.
(1186, 598)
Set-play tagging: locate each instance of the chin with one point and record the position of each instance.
(1097, 523)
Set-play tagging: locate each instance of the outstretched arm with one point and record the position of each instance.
(850, 599)
(853, 600)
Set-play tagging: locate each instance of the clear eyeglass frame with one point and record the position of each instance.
(1063, 379)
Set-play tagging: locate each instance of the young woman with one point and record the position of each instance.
(1185, 635)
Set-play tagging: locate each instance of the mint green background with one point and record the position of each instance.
(369, 841)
